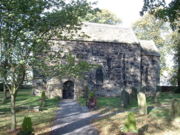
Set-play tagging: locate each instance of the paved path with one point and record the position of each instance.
(72, 119)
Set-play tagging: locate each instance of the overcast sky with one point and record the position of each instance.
(126, 10)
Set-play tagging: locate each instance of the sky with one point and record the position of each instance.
(126, 10)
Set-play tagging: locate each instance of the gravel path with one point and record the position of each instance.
(72, 119)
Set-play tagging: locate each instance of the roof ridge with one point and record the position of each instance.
(106, 25)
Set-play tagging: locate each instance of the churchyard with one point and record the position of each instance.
(86, 72)
(158, 121)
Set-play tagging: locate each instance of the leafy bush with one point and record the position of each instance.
(86, 92)
(130, 124)
(82, 101)
(177, 89)
(27, 128)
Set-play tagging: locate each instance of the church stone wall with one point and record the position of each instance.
(150, 70)
(119, 65)
(119, 68)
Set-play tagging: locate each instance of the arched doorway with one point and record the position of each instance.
(68, 90)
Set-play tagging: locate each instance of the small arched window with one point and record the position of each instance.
(99, 76)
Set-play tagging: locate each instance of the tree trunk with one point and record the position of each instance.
(4, 83)
(178, 70)
(13, 113)
(4, 93)
(178, 73)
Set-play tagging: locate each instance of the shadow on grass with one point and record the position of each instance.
(4, 110)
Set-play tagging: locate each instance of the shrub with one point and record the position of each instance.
(57, 98)
(130, 124)
(43, 95)
(43, 98)
(91, 95)
(27, 128)
(86, 92)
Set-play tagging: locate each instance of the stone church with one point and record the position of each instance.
(124, 62)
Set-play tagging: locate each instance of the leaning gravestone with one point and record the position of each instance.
(142, 103)
(175, 108)
(125, 99)
(175, 113)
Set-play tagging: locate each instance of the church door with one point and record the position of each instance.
(68, 90)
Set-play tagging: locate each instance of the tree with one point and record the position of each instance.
(26, 27)
(171, 14)
(151, 28)
(161, 10)
(175, 38)
(103, 16)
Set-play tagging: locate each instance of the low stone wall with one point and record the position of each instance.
(167, 88)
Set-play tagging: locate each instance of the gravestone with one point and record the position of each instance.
(175, 108)
(175, 113)
(133, 95)
(125, 98)
(142, 103)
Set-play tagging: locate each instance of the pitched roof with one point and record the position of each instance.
(149, 47)
(108, 33)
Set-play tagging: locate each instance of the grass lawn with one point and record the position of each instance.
(102, 102)
(41, 120)
(157, 122)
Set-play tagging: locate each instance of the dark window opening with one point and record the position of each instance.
(124, 69)
(153, 61)
(146, 75)
(99, 76)
(109, 62)
(109, 66)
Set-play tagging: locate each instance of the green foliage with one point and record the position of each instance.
(91, 94)
(27, 128)
(26, 28)
(176, 47)
(82, 101)
(168, 13)
(151, 28)
(163, 11)
(103, 16)
(130, 124)
(74, 68)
